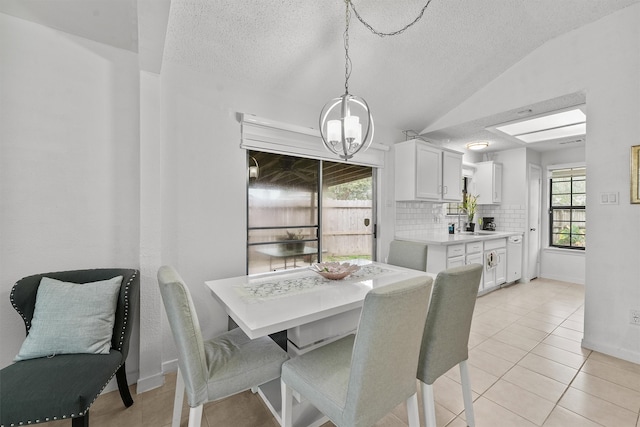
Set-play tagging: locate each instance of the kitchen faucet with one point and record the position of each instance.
(459, 210)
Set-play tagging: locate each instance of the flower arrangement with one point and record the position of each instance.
(469, 204)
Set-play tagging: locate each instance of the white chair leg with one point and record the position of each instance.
(177, 401)
(429, 404)
(412, 411)
(466, 394)
(195, 416)
(287, 405)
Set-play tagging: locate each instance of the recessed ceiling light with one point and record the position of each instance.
(478, 145)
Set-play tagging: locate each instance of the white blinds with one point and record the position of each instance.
(282, 138)
(569, 172)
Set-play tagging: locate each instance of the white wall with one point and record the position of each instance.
(204, 180)
(69, 187)
(603, 60)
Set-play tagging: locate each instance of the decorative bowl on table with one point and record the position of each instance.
(334, 270)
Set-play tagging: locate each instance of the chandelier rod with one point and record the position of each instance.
(347, 58)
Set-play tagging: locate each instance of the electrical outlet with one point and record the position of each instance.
(634, 317)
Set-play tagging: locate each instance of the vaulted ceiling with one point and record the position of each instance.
(296, 48)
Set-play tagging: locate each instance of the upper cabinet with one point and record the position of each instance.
(488, 182)
(425, 172)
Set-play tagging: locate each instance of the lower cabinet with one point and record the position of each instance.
(455, 255)
(495, 264)
(491, 254)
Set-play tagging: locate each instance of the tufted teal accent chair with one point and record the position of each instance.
(65, 386)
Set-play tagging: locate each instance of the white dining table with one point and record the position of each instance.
(313, 310)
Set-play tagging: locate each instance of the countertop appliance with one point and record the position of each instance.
(488, 223)
(514, 258)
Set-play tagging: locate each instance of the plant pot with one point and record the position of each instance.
(471, 226)
(294, 246)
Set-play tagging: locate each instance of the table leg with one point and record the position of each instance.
(304, 414)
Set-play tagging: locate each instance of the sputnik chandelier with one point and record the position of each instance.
(340, 128)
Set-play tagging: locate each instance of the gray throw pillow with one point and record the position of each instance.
(71, 318)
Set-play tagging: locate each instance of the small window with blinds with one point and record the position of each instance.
(567, 208)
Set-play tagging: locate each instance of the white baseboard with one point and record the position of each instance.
(150, 382)
(628, 355)
(147, 383)
(132, 378)
(577, 280)
(157, 380)
(170, 366)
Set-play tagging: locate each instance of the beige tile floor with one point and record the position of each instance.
(526, 367)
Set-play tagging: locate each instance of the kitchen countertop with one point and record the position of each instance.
(444, 238)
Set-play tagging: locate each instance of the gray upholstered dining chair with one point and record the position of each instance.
(355, 381)
(78, 326)
(210, 370)
(446, 335)
(408, 254)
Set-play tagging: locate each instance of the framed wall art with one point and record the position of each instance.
(635, 173)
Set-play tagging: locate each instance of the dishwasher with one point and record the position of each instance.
(514, 258)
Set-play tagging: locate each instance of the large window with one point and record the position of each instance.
(302, 211)
(567, 208)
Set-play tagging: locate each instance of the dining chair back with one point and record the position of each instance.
(408, 254)
(209, 370)
(355, 381)
(446, 334)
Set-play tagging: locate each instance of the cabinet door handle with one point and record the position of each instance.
(446, 190)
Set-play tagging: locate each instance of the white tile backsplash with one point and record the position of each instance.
(507, 217)
(427, 216)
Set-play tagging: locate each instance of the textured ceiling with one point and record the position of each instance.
(409, 80)
(296, 48)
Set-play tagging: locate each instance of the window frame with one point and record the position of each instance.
(315, 230)
(455, 208)
(572, 208)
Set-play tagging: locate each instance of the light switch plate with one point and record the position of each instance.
(609, 198)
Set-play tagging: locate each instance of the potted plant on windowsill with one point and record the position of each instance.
(469, 204)
(295, 245)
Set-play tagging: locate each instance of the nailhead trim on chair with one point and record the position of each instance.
(124, 324)
(13, 303)
(126, 309)
(60, 417)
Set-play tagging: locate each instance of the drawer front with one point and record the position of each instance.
(495, 243)
(455, 250)
(474, 247)
(457, 261)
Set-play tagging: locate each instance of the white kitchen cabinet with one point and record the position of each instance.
(494, 273)
(425, 172)
(457, 261)
(501, 268)
(451, 176)
(488, 182)
(455, 255)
